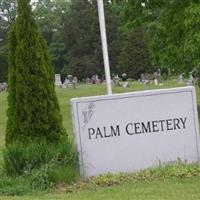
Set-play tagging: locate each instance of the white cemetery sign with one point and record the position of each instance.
(133, 131)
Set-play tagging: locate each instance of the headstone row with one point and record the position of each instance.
(151, 78)
(190, 81)
(69, 81)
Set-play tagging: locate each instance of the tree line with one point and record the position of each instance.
(143, 35)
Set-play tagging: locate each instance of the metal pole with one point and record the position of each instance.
(104, 45)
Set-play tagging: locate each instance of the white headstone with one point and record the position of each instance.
(180, 78)
(156, 81)
(125, 85)
(133, 131)
(191, 80)
(58, 80)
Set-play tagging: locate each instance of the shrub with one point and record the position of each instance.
(37, 167)
(22, 159)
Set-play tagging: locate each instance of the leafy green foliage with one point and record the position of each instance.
(49, 15)
(172, 27)
(33, 113)
(192, 36)
(131, 13)
(174, 35)
(7, 16)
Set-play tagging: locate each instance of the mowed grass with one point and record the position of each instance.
(173, 188)
(170, 189)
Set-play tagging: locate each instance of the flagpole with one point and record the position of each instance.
(104, 45)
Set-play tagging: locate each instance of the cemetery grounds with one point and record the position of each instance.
(173, 188)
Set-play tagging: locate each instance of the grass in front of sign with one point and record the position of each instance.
(20, 186)
(142, 186)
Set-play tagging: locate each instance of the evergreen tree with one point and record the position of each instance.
(33, 113)
(81, 36)
(134, 58)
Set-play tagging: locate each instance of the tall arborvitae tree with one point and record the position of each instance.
(33, 113)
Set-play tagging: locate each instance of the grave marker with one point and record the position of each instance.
(58, 80)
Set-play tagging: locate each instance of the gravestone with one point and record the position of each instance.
(70, 78)
(124, 77)
(191, 80)
(142, 78)
(156, 81)
(93, 79)
(155, 78)
(116, 81)
(87, 80)
(98, 81)
(66, 83)
(133, 131)
(125, 85)
(74, 82)
(159, 77)
(58, 80)
(3, 86)
(180, 78)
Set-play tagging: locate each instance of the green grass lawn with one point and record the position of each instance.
(169, 189)
(186, 188)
